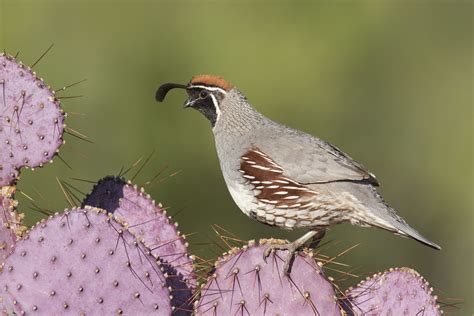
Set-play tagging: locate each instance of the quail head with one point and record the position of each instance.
(283, 177)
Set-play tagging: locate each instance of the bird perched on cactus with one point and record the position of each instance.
(284, 177)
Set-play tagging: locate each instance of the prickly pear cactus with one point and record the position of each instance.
(83, 262)
(10, 222)
(32, 122)
(399, 291)
(244, 284)
(149, 222)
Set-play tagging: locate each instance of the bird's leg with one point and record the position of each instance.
(291, 248)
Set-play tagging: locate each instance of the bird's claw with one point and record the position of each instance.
(290, 247)
(268, 251)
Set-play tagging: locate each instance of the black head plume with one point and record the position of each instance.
(164, 88)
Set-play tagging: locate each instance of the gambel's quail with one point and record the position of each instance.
(284, 177)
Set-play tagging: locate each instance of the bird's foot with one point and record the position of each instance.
(292, 248)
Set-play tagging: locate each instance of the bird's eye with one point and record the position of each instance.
(203, 94)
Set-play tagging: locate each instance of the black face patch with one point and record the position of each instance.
(202, 101)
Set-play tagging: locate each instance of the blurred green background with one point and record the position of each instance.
(389, 82)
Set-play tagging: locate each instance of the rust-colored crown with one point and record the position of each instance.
(211, 80)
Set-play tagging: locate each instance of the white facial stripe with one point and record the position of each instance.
(209, 88)
(216, 105)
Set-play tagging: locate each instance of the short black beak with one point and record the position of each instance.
(188, 103)
(164, 88)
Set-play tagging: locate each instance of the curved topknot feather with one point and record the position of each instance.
(212, 81)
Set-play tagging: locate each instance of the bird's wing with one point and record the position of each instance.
(307, 159)
(273, 186)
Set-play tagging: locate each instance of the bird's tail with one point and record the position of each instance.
(383, 216)
(402, 228)
(389, 220)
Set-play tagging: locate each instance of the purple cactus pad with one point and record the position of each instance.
(147, 220)
(399, 291)
(244, 284)
(83, 262)
(31, 120)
